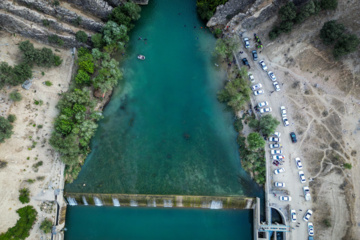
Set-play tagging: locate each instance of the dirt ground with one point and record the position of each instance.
(19, 151)
(323, 97)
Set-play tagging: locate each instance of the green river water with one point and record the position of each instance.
(164, 132)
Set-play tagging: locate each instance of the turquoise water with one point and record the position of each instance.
(164, 131)
(159, 224)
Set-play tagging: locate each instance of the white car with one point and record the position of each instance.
(273, 152)
(276, 86)
(302, 177)
(278, 157)
(274, 139)
(265, 110)
(271, 76)
(263, 104)
(283, 111)
(307, 193)
(279, 170)
(286, 121)
(263, 65)
(293, 215)
(275, 145)
(307, 215)
(251, 77)
(277, 134)
(279, 184)
(246, 42)
(298, 163)
(258, 92)
(285, 198)
(256, 87)
(310, 229)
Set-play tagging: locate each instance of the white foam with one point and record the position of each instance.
(133, 203)
(72, 201)
(151, 203)
(116, 202)
(216, 204)
(168, 203)
(84, 201)
(98, 202)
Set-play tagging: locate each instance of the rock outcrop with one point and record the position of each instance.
(99, 8)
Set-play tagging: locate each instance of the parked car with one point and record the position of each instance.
(302, 177)
(276, 152)
(246, 42)
(307, 215)
(278, 157)
(283, 111)
(298, 163)
(251, 77)
(293, 137)
(279, 184)
(279, 170)
(285, 121)
(293, 215)
(263, 104)
(274, 139)
(265, 110)
(310, 229)
(277, 134)
(254, 55)
(276, 86)
(245, 62)
(263, 65)
(275, 145)
(285, 198)
(271, 76)
(276, 162)
(256, 86)
(258, 92)
(307, 193)
(311, 238)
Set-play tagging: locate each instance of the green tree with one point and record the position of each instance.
(82, 78)
(115, 36)
(15, 96)
(328, 4)
(5, 129)
(206, 8)
(255, 141)
(97, 40)
(86, 62)
(224, 47)
(346, 44)
(126, 14)
(24, 195)
(81, 36)
(132, 10)
(288, 12)
(274, 33)
(331, 32)
(286, 26)
(108, 76)
(306, 11)
(46, 225)
(11, 118)
(67, 146)
(268, 125)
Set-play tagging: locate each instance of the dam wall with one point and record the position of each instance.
(146, 200)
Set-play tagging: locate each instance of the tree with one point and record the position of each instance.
(345, 45)
(46, 226)
(268, 125)
(125, 14)
(86, 62)
(255, 124)
(132, 10)
(328, 4)
(331, 32)
(274, 33)
(68, 147)
(11, 118)
(115, 36)
(15, 96)
(255, 141)
(288, 12)
(306, 11)
(224, 47)
(82, 78)
(81, 36)
(97, 40)
(286, 26)
(24, 195)
(206, 8)
(5, 129)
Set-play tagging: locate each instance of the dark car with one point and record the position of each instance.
(245, 61)
(293, 137)
(255, 56)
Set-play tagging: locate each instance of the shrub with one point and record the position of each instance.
(81, 36)
(328, 4)
(86, 62)
(331, 31)
(274, 33)
(48, 83)
(77, 21)
(45, 22)
(347, 165)
(206, 8)
(56, 3)
(3, 164)
(288, 12)
(11, 118)
(5, 129)
(345, 45)
(46, 226)
(24, 195)
(56, 40)
(82, 78)
(21, 230)
(42, 57)
(15, 96)
(327, 223)
(286, 26)
(238, 125)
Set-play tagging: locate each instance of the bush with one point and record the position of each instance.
(82, 78)
(56, 40)
(77, 21)
(347, 166)
(81, 36)
(238, 125)
(345, 45)
(274, 33)
(46, 226)
(15, 96)
(286, 26)
(24, 195)
(11, 118)
(45, 22)
(327, 223)
(288, 12)
(207, 8)
(42, 57)
(86, 62)
(328, 4)
(48, 83)
(3, 164)
(21, 230)
(331, 31)
(5, 129)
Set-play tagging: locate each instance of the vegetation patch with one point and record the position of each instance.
(207, 8)
(5, 129)
(3, 164)
(24, 196)
(46, 226)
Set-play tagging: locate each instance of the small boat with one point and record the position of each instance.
(141, 57)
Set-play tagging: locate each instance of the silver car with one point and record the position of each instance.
(256, 87)
(258, 92)
(271, 76)
(265, 110)
(263, 65)
(276, 86)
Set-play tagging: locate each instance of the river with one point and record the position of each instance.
(164, 132)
